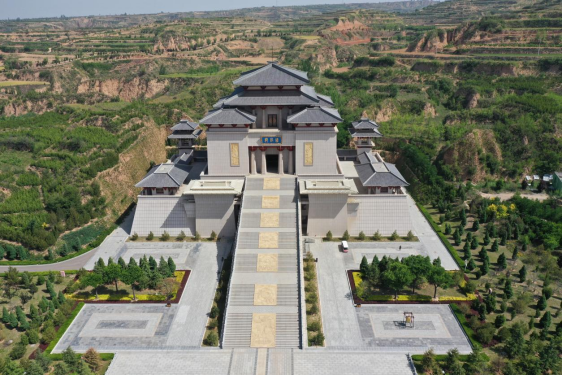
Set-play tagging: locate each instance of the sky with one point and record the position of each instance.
(11, 9)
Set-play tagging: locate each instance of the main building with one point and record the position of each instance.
(273, 124)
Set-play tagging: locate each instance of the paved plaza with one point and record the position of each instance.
(377, 327)
(115, 327)
(259, 362)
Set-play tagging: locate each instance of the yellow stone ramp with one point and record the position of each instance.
(271, 201)
(265, 295)
(271, 184)
(270, 220)
(263, 334)
(267, 263)
(268, 240)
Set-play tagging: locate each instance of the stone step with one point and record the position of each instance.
(249, 263)
(243, 295)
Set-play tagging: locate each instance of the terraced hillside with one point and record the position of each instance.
(475, 93)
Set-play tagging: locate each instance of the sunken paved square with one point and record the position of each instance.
(111, 327)
(435, 326)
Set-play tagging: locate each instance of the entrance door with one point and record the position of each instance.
(272, 163)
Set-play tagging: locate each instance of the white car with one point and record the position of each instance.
(344, 245)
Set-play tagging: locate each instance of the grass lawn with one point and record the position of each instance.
(125, 293)
(22, 83)
(426, 292)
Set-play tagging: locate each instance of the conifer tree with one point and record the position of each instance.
(522, 273)
(501, 262)
(171, 265)
(508, 292)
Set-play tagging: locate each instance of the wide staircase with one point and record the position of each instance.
(263, 300)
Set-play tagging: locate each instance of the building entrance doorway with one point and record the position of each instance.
(272, 163)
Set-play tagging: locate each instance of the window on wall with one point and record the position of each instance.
(272, 121)
(159, 191)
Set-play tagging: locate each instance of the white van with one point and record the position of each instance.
(344, 245)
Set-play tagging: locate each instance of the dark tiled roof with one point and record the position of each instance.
(227, 116)
(376, 173)
(272, 74)
(325, 100)
(180, 134)
(185, 125)
(365, 123)
(239, 98)
(167, 175)
(366, 157)
(365, 133)
(315, 115)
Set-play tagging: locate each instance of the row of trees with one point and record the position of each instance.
(376, 236)
(146, 274)
(395, 274)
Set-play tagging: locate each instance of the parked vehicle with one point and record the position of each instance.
(344, 245)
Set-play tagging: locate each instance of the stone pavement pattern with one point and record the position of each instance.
(259, 361)
(180, 326)
(347, 327)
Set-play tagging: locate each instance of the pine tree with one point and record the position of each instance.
(487, 239)
(522, 273)
(501, 262)
(471, 265)
(5, 315)
(503, 239)
(448, 230)
(515, 253)
(476, 225)
(466, 252)
(152, 263)
(13, 321)
(485, 267)
(545, 321)
(132, 262)
(171, 265)
(163, 268)
(364, 267)
(122, 263)
(494, 248)
(329, 235)
(346, 235)
(542, 303)
(474, 243)
(490, 303)
(508, 292)
(457, 237)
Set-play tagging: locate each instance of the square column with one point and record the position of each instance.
(264, 167)
(252, 161)
(290, 160)
(280, 122)
(264, 118)
(280, 160)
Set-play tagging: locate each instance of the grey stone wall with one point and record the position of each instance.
(324, 151)
(162, 213)
(385, 213)
(327, 212)
(215, 213)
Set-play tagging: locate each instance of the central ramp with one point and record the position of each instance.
(263, 301)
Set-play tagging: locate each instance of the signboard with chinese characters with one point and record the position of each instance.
(271, 140)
